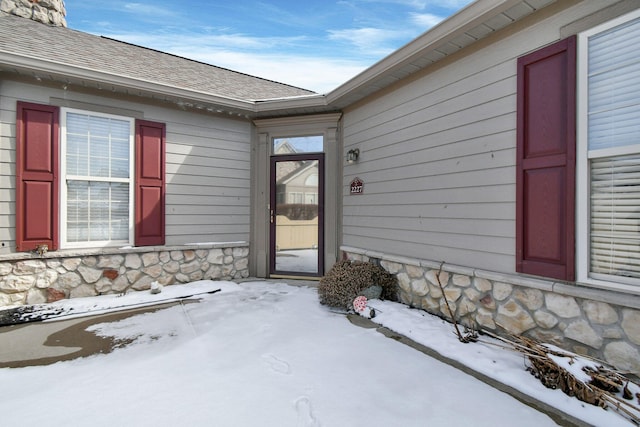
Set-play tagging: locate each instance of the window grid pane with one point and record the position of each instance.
(614, 87)
(615, 216)
(97, 147)
(614, 124)
(97, 211)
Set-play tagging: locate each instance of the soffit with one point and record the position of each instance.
(76, 60)
(473, 23)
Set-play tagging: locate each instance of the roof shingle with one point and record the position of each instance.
(22, 36)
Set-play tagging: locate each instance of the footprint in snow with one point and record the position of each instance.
(266, 327)
(277, 364)
(305, 413)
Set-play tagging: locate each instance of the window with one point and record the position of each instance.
(86, 179)
(310, 198)
(295, 197)
(298, 144)
(609, 153)
(97, 184)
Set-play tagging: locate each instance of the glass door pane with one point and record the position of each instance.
(296, 219)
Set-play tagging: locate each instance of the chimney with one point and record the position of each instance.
(50, 12)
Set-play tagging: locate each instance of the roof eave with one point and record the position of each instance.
(291, 103)
(65, 71)
(470, 16)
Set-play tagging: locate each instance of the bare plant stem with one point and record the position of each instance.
(453, 318)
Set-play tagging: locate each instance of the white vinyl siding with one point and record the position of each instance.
(438, 164)
(7, 172)
(207, 165)
(208, 179)
(611, 82)
(438, 155)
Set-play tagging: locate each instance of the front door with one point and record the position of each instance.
(296, 215)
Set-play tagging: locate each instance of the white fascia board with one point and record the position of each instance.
(291, 103)
(467, 18)
(322, 119)
(72, 72)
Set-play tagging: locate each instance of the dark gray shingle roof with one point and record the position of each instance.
(63, 45)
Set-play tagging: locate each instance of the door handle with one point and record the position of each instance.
(271, 216)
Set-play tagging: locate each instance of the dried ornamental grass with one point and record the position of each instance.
(348, 279)
(579, 376)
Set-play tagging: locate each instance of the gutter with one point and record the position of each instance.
(352, 91)
(64, 71)
(471, 16)
(304, 101)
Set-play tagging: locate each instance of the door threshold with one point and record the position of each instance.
(294, 277)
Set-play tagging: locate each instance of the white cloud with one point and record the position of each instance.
(315, 73)
(147, 10)
(256, 56)
(205, 41)
(370, 41)
(452, 5)
(417, 4)
(320, 61)
(426, 20)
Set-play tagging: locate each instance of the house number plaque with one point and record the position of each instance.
(357, 186)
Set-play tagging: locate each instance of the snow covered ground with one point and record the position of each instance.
(268, 354)
(300, 260)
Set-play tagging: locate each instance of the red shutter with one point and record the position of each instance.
(36, 176)
(545, 182)
(150, 194)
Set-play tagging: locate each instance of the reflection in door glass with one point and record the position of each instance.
(297, 216)
(298, 144)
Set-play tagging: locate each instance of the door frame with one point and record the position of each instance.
(264, 132)
(319, 157)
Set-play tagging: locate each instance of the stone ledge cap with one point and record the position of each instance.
(602, 295)
(69, 253)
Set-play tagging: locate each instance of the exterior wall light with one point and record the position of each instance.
(352, 155)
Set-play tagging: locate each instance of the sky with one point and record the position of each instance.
(312, 44)
(269, 354)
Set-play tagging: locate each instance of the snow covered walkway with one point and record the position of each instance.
(269, 354)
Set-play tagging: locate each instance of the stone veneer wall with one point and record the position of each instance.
(51, 12)
(33, 279)
(546, 311)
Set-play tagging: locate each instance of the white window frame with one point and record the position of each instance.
(295, 195)
(62, 206)
(582, 166)
(310, 198)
